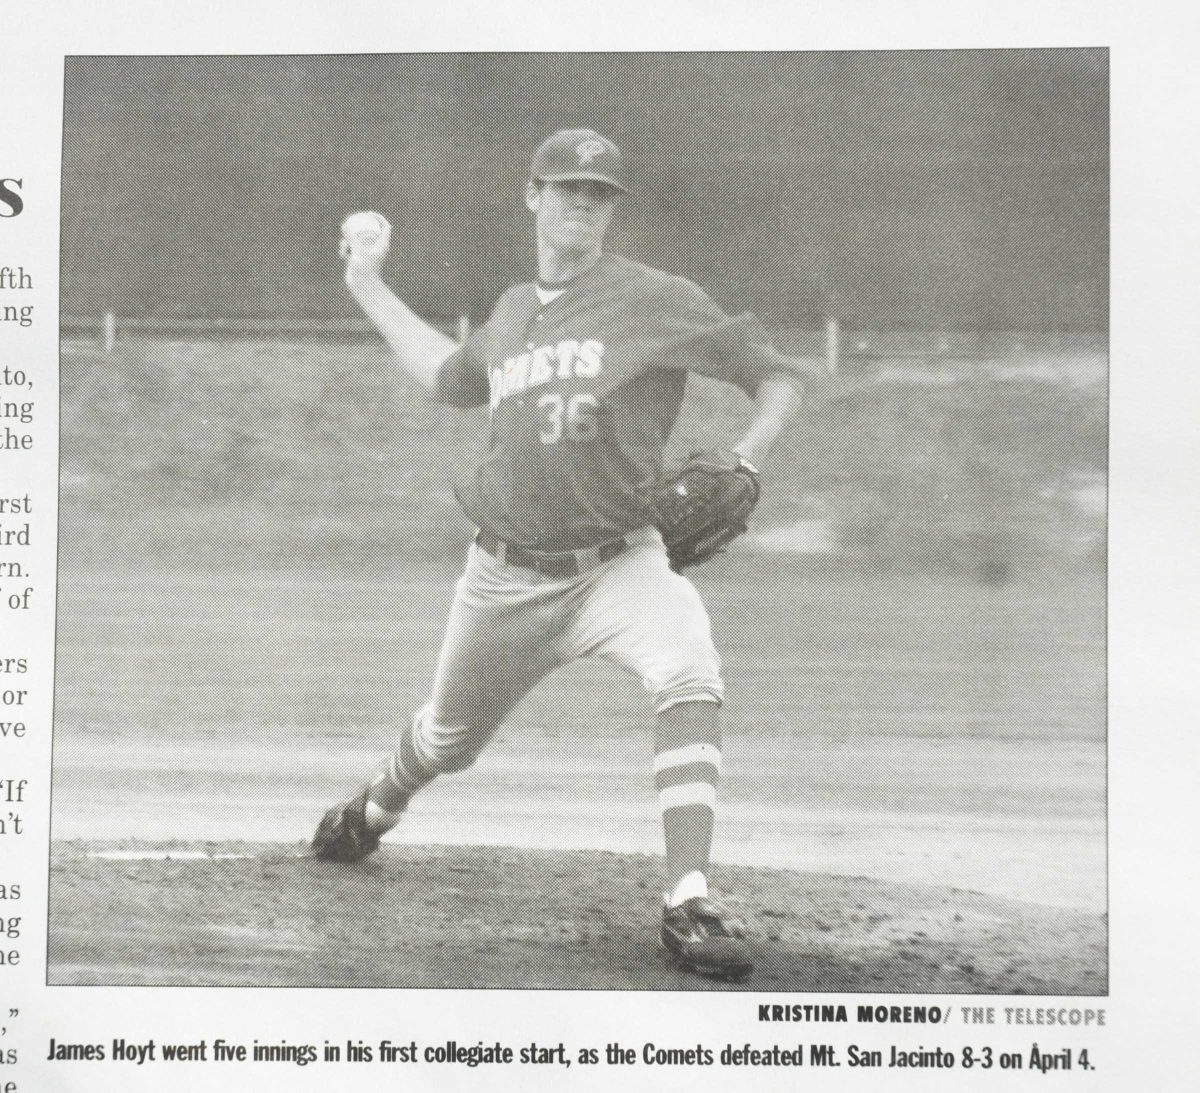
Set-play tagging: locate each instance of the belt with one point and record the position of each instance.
(558, 565)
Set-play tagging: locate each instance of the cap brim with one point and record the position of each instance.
(584, 176)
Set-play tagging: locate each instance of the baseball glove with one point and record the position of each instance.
(703, 507)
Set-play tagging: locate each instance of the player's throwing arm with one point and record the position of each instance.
(419, 347)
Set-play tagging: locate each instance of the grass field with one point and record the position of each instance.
(277, 454)
(258, 548)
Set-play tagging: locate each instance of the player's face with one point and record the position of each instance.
(572, 217)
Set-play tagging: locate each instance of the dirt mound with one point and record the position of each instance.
(254, 915)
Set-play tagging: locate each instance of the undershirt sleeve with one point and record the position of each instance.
(737, 349)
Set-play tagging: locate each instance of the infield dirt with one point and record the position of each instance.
(505, 918)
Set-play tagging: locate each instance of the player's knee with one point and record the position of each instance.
(445, 748)
(695, 680)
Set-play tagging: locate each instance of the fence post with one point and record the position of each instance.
(833, 345)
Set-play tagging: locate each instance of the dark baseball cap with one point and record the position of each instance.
(580, 154)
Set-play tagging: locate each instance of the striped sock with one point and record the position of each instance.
(686, 776)
(400, 776)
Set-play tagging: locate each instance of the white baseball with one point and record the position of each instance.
(362, 229)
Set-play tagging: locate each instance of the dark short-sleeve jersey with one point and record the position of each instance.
(584, 391)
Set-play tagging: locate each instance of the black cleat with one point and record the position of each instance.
(698, 939)
(342, 834)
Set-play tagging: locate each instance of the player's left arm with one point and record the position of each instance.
(738, 351)
(777, 401)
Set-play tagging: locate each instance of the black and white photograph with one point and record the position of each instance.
(624, 521)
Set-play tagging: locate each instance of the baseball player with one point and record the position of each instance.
(584, 373)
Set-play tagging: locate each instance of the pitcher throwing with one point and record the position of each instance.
(584, 371)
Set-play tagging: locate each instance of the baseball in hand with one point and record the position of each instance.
(361, 231)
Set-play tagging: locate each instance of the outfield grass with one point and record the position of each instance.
(280, 454)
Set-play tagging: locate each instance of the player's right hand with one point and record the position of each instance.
(364, 251)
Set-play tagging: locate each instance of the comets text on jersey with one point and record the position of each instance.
(543, 364)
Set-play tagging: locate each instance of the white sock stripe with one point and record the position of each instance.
(691, 793)
(690, 884)
(682, 757)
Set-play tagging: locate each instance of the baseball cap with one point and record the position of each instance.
(580, 154)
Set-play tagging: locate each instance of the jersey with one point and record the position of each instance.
(583, 392)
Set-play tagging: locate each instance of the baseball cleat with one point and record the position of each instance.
(342, 834)
(698, 939)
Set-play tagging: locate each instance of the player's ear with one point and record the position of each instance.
(533, 196)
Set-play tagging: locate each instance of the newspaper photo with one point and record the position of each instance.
(262, 442)
(528, 564)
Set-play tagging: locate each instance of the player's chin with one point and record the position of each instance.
(576, 236)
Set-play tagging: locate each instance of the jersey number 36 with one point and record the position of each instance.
(575, 416)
